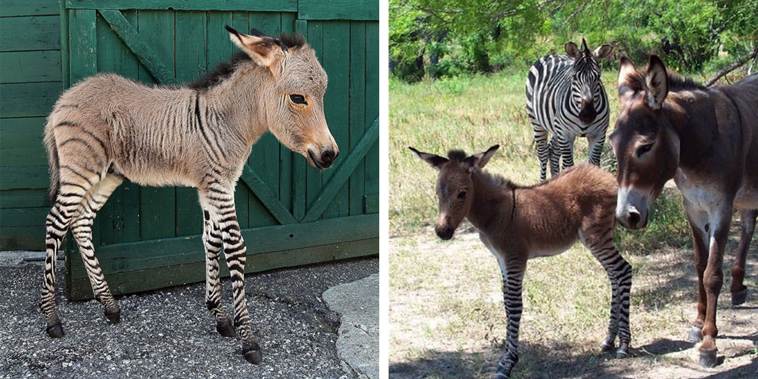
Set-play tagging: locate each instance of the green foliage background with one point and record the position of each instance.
(438, 38)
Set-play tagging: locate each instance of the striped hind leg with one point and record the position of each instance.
(213, 242)
(598, 238)
(218, 200)
(81, 228)
(554, 153)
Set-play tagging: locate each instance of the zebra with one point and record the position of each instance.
(565, 97)
(108, 128)
(513, 225)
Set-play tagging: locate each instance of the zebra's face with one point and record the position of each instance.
(645, 143)
(587, 86)
(455, 186)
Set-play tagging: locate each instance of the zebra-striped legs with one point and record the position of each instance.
(56, 224)
(81, 228)
(513, 278)
(213, 243)
(543, 150)
(566, 144)
(595, 147)
(218, 201)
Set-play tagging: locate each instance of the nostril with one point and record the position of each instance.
(634, 218)
(327, 156)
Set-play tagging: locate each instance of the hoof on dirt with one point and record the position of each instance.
(113, 318)
(606, 348)
(254, 356)
(709, 358)
(738, 298)
(55, 331)
(502, 375)
(225, 328)
(695, 335)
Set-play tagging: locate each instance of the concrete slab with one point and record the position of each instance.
(358, 341)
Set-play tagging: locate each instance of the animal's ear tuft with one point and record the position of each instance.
(585, 49)
(627, 85)
(572, 50)
(261, 49)
(657, 82)
(431, 159)
(480, 160)
(603, 52)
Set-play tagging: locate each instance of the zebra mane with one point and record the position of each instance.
(495, 179)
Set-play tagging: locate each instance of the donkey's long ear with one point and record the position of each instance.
(657, 82)
(433, 160)
(627, 83)
(261, 49)
(572, 50)
(603, 52)
(480, 160)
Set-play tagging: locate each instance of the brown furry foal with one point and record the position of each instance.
(108, 128)
(519, 223)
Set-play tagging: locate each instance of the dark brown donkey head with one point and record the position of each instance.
(645, 141)
(454, 185)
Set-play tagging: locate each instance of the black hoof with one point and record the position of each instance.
(225, 328)
(114, 317)
(55, 331)
(739, 298)
(709, 358)
(623, 351)
(254, 356)
(695, 335)
(605, 347)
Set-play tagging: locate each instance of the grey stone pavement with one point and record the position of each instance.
(318, 321)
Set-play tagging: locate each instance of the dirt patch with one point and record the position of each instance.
(447, 319)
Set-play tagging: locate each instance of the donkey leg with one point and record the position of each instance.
(713, 279)
(512, 286)
(81, 228)
(737, 288)
(699, 236)
(213, 242)
(543, 153)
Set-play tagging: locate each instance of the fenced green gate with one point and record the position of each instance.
(290, 213)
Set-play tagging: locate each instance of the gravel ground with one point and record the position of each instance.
(170, 334)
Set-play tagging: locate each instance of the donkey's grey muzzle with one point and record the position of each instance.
(323, 160)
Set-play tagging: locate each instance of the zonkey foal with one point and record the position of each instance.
(108, 128)
(518, 223)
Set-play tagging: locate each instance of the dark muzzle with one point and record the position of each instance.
(587, 113)
(445, 232)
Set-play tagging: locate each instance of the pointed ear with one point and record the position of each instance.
(572, 50)
(657, 82)
(603, 52)
(480, 160)
(431, 159)
(261, 49)
(627, 86)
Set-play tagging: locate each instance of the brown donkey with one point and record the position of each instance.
(707, 140)
(108, 128)
(519, 223)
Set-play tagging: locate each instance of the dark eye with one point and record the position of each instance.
(644, 149)
(298, 99)
(462, 195)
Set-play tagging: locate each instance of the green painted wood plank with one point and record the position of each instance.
(313, 176)
(24, 199)
(144, 53)
(155, 278)
(337, 104)
(28, 99)
(82, 44)
(30, 66)
(14, 8)
(357, 110)
(263, 192)
(34, 156)
(338, 9)
(23, 217)
(162, 253)
(191, 64)
(286, 173)
(342, 173)
(202, 5)
(299, 164)
(23, 238)
(372, 203)
(158, 204)
(24, 177)
(30, 33)
(371, 178)
(65, 48)
(21, 132)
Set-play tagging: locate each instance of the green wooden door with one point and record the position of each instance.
(290, 213)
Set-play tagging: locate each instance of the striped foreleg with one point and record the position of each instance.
(219, 202)
(540, 139)
(213, 242)
(554, 153)
(566, 144)
(512, 286)
(595, 147)
(81, 228)
(620, 274)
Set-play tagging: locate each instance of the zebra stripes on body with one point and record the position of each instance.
(108, 128)
(566, 98)
(514, 226)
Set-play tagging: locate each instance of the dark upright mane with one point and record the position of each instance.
(676, 82)
(292, 40)
(498, 180)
